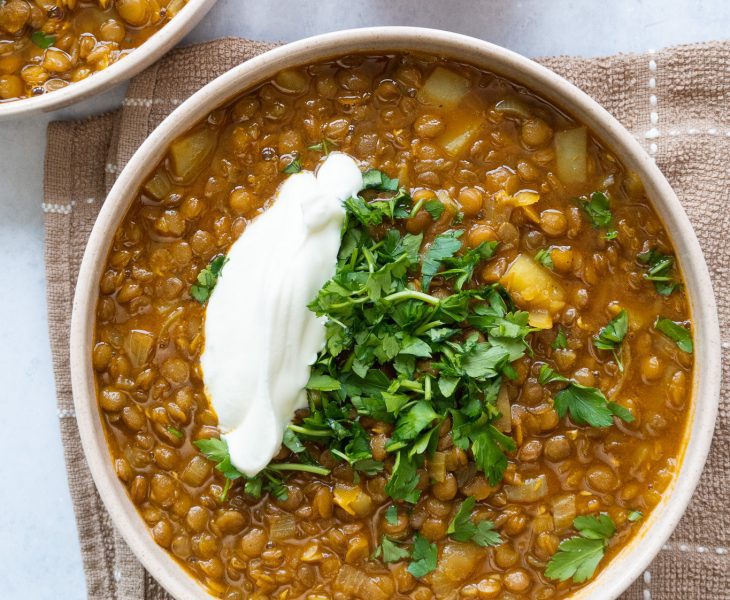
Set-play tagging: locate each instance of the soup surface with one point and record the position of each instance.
(47, 44)
(493, 418)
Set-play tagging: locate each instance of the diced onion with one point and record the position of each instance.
(437, 467)
(139, 347)
(513, 107)
(504, 422)
(283, 527)
(530, 490)
(564, 511)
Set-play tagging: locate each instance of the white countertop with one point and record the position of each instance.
(39, 550)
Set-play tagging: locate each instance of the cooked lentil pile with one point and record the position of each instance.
(505, 389)
(47, 44)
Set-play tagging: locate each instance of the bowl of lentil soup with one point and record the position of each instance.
(55, 53)
(542, 441)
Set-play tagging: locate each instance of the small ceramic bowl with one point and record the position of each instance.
(153, 49)
(634, 558)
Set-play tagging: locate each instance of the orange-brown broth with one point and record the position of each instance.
(368, 107)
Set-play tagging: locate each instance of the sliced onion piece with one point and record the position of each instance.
(530, 490)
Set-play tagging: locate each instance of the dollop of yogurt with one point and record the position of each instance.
(260, 337)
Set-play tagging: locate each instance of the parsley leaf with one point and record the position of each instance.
(208, 278)
(660, 271)
(175, 432)
(560, 341)
(444, 246)
(424, 557)
(293, 167)
(463, 529)
(674, 331)
(634, 515)
(325, 146)
(434, 208)
(43, 40)
(390, 551)
(544, 257)
(586, 405)
(598, 209)
(578, 557)
(489, 447)
(612, 335)
(377, 180)
(391, 515)
(404, 479)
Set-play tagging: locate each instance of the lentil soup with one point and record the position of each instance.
(46, 45)
(525, 404)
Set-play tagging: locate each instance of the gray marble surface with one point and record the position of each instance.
(39, 550)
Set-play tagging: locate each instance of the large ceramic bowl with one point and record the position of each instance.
(153, 49)
(635, 557)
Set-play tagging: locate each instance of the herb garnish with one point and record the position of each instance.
(578, 557)
(424, 557)
(545, 258)
(463, 529)
(325, 146)
(674, 331)
(598, 209)
(390, 551)
(634, 515)
(660, 271)
(398, 354)
(560, 342)
(207, 279)
(173, 431)
(269, 479)
(612, 335)
(295, 166)
(586, 405)
(43, 40)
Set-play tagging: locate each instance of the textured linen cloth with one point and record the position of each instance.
(674, 101)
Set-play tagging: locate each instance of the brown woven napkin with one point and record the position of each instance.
(674, 101)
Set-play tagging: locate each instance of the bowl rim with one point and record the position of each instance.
(151, 50)
(631, 560)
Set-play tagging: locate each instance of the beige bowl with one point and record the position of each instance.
(141, 58)
(635, 557)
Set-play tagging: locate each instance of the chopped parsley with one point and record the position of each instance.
(635, 515)
(391, 515)
(544, 257)
(598, 209)
(660, 271)
(173, 431)
(434, 208)
(424, 557)
(463, 529)
(325, 146)
(269, 479)
(398, 354)
(578, 557)
(390, 551)
(674, 331)
(612, 335)
(207, 279)
(585, 405)
(43, 40)
(295, 166)
(560, 342)
(423, 554)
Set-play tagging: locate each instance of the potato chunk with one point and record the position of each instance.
(534, 289)
(188, 153)
(571, 155)
(462, 127)
(444, 88)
